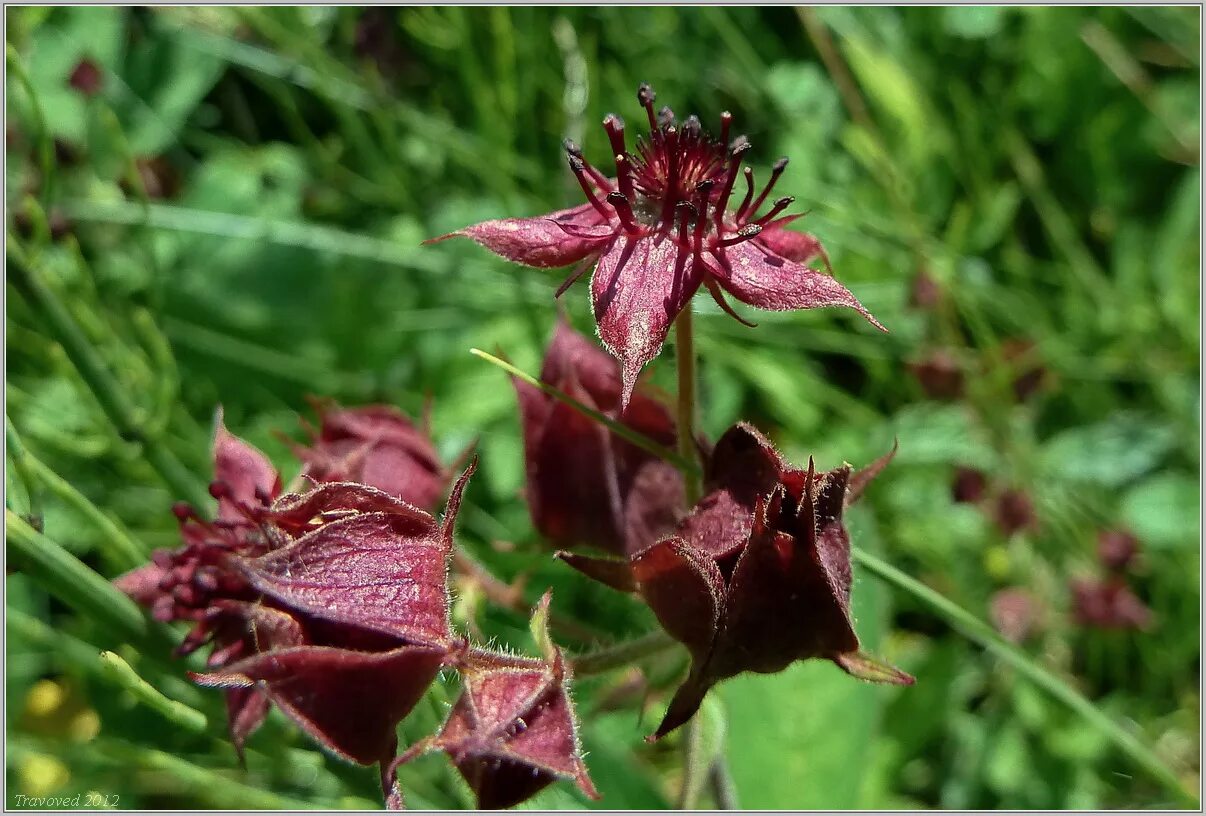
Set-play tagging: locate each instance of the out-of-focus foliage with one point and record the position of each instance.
(235, 217)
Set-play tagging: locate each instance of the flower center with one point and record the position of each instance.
(677, 182)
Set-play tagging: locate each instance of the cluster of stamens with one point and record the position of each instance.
(678, 182)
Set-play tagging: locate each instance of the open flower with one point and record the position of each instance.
(379, 446)
(1108, 603)
(332, 605)
(662, 228)
(512, 732)
(758, 576)
(585, 485)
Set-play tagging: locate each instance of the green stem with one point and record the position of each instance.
(724, 790)
(684, 358)
(622, 654)
(686, 464)
(979, 632)
(126, 418)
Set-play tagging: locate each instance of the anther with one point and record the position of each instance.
(614, 126)
(744, 234)
(780, 205)
(665, 117)
(571, 147)
(579, 167)
(776, 171)
(645, 96)
(691, 128)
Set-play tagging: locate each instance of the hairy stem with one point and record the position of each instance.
(724, 790)
(622, 654)
(508, 596)
(621, 430)
(684, 358)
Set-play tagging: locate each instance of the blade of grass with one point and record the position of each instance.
(620, 430)
(121, 674)
(70, 580)
(117, 546)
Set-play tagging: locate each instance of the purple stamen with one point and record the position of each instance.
(776, 171)
(780, 205)
(579, 167)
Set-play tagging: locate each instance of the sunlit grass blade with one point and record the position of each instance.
(117, 546)
(620, 430)
(70, 580)
(123, 675)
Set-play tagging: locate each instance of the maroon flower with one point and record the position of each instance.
(585, 485)
(1014, 512)
(939, 374)
(758, 576)
(1116, 549)
(1029, 374)
(1108, 604)
(332, 604)
(86, 77)
(513, 731)
(661, 229)
(969, 486)
(379, 446)
(925, 292)
(1014, 613)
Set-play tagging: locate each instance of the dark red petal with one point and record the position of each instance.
(613, 573)
(745, 463)
(246, 473)
(246, 709)
(380, 571)
(293, 510)
(718, 525)
(573, 485)
(800, 247)
(539, 241)
(863, 477)
(638, 289)
(686, 701)
(350, 702)
(656, 501)
(755, 275)
(685, 589)
(142, 583)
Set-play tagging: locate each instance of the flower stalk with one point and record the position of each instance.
(684, 358)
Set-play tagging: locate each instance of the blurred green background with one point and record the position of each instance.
(231, 213)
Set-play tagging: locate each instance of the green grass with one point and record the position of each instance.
(1041, 164)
